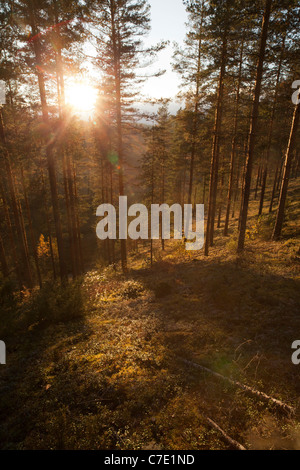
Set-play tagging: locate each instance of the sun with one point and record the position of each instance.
(81, 97)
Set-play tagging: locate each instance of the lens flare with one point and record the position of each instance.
(81, 97)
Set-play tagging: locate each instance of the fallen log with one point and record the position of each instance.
(283, 407)
(234, 444)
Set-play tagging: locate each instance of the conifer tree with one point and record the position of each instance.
(286, 172)
(120, 27)
(188, 63)
(253, 125)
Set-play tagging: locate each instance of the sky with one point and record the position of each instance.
(168, 24)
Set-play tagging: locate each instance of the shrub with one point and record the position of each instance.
(262, 228)
(131, 290)
(55, 303)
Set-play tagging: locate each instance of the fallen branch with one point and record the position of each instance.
(236, 445)
(283, 407)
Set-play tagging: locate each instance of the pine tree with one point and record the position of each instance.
(234, 141)
(25, 268)
(286, 172)
(253, 125)
(121, 26)
(188, 63)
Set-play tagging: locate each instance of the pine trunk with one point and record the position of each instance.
(25, 264)
(117, 78)
(286, 174)
(233, 145)
(11, 237)
(49, 154)
(215, 153)
(31, 231)
(270, 136)
(195, 120)
(253, 126)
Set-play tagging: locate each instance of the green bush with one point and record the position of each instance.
(261, 228)
(55, 303)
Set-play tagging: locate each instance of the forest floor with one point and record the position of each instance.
(103, 369)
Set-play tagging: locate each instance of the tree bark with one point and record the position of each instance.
(234, 141)
(117, 78)
(270, 136)
(196, 106)
(25, 264)
(253, 126)
(74, 228)
(274, 188)
(215, 153)
(81, 261)
(49, 152)
(48, 224)
(31, 231)
(286, 174)
(11, 237)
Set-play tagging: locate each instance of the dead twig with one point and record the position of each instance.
(283, 407)
(236, 445)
